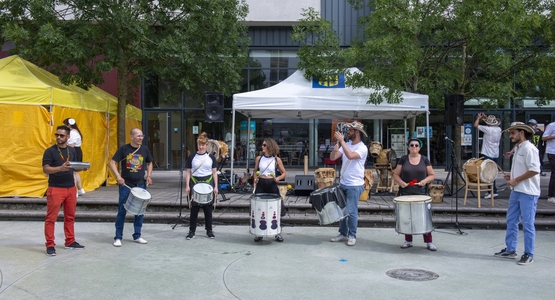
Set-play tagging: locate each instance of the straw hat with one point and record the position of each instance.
(521, 126)
(356, 126)
(492, 120)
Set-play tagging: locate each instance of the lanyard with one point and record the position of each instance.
(67, 159)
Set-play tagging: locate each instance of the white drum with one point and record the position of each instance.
(137, 201)
(203, 193)
(265, 215)
(413, 214)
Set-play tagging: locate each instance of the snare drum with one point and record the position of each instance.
(413, 214)
(203, 193)
(330, 204)
(265, 215)
(137, 201)
(488, 170)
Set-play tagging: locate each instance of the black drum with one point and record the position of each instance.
(330, 204)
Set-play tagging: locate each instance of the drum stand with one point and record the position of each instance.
(455, 171)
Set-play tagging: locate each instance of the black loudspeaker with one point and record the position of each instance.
(454, 110)
(214, 106)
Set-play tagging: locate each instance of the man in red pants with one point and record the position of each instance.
(61, 190)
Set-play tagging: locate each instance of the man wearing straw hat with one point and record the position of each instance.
(353, 156)
(524, 181)
(490, 141)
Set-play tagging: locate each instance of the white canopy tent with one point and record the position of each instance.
(298, 98)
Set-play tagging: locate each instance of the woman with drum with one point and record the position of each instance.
(201, 177)
(266, 178)
(75, 140)
(413, 172)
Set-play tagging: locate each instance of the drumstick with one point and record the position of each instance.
(127, 186)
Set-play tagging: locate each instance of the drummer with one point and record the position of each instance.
(201, 167)
(413, 173)
(266, 176)
(133, 159)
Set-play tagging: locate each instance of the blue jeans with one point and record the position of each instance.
(494, 186)
(521, 206)
(120, 219)
(348, 226)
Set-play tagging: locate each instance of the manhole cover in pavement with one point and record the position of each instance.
(412, 274)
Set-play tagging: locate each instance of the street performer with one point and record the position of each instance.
(353, 157)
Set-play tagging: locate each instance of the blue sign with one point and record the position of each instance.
(331, 82)
(243, 125)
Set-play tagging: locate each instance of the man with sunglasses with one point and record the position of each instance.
(61, 191)
(353, 156)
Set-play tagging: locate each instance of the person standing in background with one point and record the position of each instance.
(490, 141)
(75, 141)
(549, 139)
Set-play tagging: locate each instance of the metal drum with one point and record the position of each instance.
(265, 215)
(330, 204)
(77, 165)
(137, 201)
(203, 193)
(413, 214)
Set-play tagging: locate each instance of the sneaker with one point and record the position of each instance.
(50, 251)
(488, 195)
(210, 234)
(352, 241)
(80, 192)
(141, 241)
(75, 246)
(431, 247)
(190, 235)
(406, 245)
(279, 238)
(258, 239)
(338, 238)
(551, 199)
(525, 260)
(117, 243)
(506, 254)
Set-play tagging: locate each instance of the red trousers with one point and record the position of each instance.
(427, 237)
(56, 197)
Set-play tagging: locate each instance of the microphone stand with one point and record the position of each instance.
(180, 193)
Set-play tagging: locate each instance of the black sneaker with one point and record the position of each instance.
(210, 234)
(190, 235)
(75, 246)
(525, 260)
(50, 251)
(506, 254)
(279, 238)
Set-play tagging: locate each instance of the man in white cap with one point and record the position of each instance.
(549, 139)
(353, 157)
(524, 181)
(490, 141)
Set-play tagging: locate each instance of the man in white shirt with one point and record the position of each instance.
(490, 141)
(524, 181)
(353, 157)
(549, 139)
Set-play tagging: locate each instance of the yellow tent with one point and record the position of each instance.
(33, 103)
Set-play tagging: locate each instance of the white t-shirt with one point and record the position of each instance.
(550, 144)
(490, 141)
(526, 159)
(74, 138)
(352, 172)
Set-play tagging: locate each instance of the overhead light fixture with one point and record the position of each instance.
(355, 114)
(299, 115)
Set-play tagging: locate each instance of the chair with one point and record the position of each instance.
(295, 156)
(476, 186)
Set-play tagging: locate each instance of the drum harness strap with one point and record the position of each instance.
(203, 181)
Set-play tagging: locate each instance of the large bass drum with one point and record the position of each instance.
(413, 214)
(265, 215)
(330, 204)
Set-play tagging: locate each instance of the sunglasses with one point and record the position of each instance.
(60, 135)
(264, 145)
(414, 145)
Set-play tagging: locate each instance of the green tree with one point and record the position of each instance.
(200, 45)
(493, 49)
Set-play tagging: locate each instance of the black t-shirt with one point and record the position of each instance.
(132, 167)
(55, 158)
(410, 172)
(537, 140)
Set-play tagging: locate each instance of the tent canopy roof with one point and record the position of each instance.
(296, 97)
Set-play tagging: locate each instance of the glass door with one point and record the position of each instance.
(158, 140)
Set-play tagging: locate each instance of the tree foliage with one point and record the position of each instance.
(199, 45)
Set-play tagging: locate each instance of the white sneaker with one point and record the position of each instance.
(141, 241)
(551, 199)
(406, 245)
(80, 192)
(352, 241)
(431, 247)
(488, 195)
(117, 243)
(338, 238)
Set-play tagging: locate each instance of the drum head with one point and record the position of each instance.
(266, 197)
(412, 198)
(140, 193)
(203, 188)
(323, 190)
